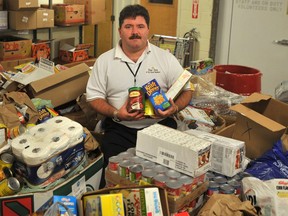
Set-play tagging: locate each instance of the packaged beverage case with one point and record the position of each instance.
(226, 189)
(148, 175)
(173, 188)
(113, 164)
(5, 172)
(135, 173)
(212, 188)
(124, 168)
(136, 99)
(6, 160)
(9, 186)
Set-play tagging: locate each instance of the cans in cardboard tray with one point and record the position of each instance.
(173, 188)
(187, 184)
(172, 174)
(9, 186)
(6, 160)
(136, 99)
(113, 164)
(148, 175)
(135, 173)
(160, 180)
(124, 168)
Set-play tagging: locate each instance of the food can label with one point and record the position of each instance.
(136, 100)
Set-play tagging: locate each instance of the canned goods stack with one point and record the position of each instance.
(9, 185)
(135, 169)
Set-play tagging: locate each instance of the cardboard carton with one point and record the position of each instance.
(45, 18)
(22, 20)
(95, 10)
(22, 4)
(61, 87)
(41, 49)
(261, 121)
(66, 14)
(70, 53)
(12, 47)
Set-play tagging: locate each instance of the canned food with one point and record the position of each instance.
(15, 131)
(135, 173)
(187, 184)
(220, 180)
(226, 189)
(136, 99)
(160, 180)
(172, 174)
(159, 169)
(124, 168)
(125, 155)
(132, 151)
(173, 188)
(236, 185)
(113, 164)
(147, 175)
(5, 172)
(212, 188)
(136, 160)
(6, 160)
(148, 164)
(210, 176)
(9, 186)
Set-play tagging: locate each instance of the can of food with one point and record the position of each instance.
(5, 172)
(172, 174)
(173, 188)
(220, 180)
(212, 188)
(136, 160)
(159, 169)
(9, 186)
(6, 160)
(148, 175)
(210, 176)
(125, 155)
(21, 118)
(135, 173)
(148, 164)
(160, 180)
(136, 99)
(187, 184)
(124, 168)
(226, 189)
(132, 151)
(113, 164)
(236, 185)
(15, 131)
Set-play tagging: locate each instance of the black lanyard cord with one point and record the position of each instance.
(134, 75)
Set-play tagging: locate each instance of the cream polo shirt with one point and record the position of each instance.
(111, 78)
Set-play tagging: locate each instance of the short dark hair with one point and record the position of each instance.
(134, 11)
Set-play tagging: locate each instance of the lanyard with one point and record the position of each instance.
(134, 75)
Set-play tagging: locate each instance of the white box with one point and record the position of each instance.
(174, 149)
(227, 154)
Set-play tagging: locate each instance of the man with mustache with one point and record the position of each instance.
(133, 62)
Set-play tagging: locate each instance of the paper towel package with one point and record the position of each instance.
(227, 154)
(48, 151)
(175, 149)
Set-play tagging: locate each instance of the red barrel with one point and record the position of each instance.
(238, 79)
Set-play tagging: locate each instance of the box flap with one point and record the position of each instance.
(256, 97)
(257, 117)
(44, 83)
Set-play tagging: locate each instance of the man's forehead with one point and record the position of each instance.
(133, 20)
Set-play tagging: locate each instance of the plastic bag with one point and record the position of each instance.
(273, 164)
(54, 209)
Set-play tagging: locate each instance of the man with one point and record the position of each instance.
(133, 62)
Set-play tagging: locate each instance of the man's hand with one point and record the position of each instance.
(173, 109)
(124, 115)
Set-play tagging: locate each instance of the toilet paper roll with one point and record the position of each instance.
(21, 142)
(59, 121)
(56, 141)
(73, 130)
(41, 130)
(35, 154)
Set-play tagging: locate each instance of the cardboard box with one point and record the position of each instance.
(22, 4)
(86, 180)
(22, 20)
(41, 49)
(70, 53)
(261, 121)
(95, 10)
(174, 149)
(162, 194)
(61, 87)
(12, 47)
(174, 205)
(3, 20)
(65, 14)
(45, 18)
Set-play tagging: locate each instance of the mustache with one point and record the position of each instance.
(135, 36)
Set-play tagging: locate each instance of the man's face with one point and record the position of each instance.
(134, 33)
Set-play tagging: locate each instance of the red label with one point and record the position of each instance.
(17, 206)
(195, 9)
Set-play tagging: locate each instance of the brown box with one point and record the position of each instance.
(11, 64)
(45, 18)
(261, 121)
(22, 20)
(3, 20)
(69, 53)
(22, 4)
(61, 87)
(41, 49)
(95, 10)
(14, 47)
(69, 14)
(174, 205)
